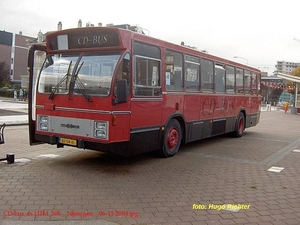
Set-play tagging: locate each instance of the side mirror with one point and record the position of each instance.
(122, 91)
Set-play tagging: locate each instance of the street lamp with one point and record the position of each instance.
(241, 58)
(296, 39)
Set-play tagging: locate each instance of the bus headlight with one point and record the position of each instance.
(100, 129)
(43, 122)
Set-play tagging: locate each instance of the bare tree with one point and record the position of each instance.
(4, 72)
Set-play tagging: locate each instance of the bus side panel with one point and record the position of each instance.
(119, 128)
(192, 107)
(145, 125)
(145, 140)
(173, 104)
(145, 112)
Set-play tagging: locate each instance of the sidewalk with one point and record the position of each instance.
(13, 112)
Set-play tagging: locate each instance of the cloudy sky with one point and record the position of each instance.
(260, 32)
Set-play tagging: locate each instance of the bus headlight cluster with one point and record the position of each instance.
(43, 122)
(100, 129)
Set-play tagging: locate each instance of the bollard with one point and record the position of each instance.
(10, 158)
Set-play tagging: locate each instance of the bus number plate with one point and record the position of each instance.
(67, 141)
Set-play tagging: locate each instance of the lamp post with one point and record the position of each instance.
(237, 57)
(296, 39)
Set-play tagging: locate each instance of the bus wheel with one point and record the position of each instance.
(240, 125)
(172, 138)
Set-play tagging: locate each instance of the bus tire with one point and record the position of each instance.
(172, 138)
(240, 125)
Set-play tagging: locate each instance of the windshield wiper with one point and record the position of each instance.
(75, 80)
(65, 77)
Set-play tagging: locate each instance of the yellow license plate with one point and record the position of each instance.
(67, 141)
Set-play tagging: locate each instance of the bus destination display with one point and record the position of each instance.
(85, 39)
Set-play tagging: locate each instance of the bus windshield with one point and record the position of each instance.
(86, 74)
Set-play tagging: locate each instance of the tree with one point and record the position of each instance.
(296, 72)
(4, 73)
(291, 85)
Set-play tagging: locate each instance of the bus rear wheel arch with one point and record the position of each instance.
(172, 138)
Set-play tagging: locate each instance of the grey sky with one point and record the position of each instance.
(260, 31)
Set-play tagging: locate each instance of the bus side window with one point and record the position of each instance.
(258, 77)
(207, 73)
(230, 79)
(192, 72)
(219, 78)
(173, 71)
(254, 83)
(239, 81)
(247, 82)
(146, 69)
(146, 77)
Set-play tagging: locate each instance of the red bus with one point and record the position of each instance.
(117, 90)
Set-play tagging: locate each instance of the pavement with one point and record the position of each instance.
(252, 180)
(13, 112)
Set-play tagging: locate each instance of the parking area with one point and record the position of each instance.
(223, 180)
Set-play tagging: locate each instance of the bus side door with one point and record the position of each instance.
(36, 56)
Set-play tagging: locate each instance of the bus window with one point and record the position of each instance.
(254, 83)
(56, 73)
(230, 79)
(219, 78)
(192, 66)
(146, 77)
(95, 74)
(207, 71)
(124, 71)
(247, 82)
(173, 71)
(239, 81)
(258, 78)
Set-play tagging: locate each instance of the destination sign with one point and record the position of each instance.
(83, 38)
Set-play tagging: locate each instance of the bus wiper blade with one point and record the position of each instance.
(75, 79)
(82, 90)
(60, 82)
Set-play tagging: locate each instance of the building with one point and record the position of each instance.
(272, 89)
(14, 51)
(286, 67)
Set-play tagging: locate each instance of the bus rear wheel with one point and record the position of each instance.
(240, 125)
(172, 138)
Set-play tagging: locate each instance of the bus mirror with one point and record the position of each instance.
(122, 91)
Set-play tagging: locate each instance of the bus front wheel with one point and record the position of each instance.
(172, 138)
